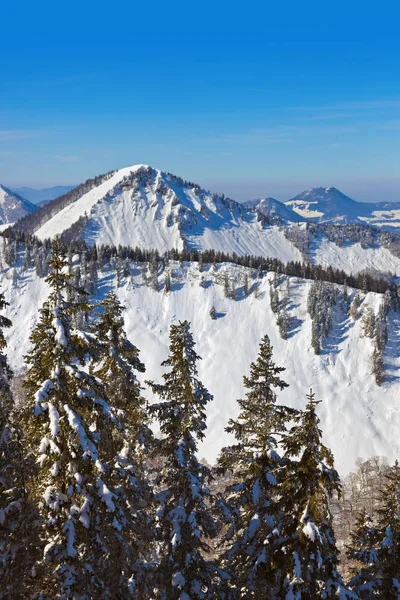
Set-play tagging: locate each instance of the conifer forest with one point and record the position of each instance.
(103, 493)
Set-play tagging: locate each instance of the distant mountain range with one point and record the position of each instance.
(12, 206)
(320, 204)
(270, 207)
(44, 195)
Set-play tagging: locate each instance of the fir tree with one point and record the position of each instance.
(354, 306)
(368, 322)
(311, 555)
(363, 551)
(252, 510)
(67, 421)
(388, 563)
(128, 446)
(16, 515)
(185, 519)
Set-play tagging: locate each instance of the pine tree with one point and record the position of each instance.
(311, 555)
(129, 446)
(354, 306)
(388, 563)
(378, 365)
(252, 510)
(185, 518)
(66, 421)
(16, 515)
(363, 551)
(368, 322)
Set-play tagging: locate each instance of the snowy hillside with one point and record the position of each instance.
(330, 205)
(144, 207)
(358, 417)
(270, 207)
(13, 206)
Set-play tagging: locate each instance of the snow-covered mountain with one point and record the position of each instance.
(144, 207)
(358, 417)
(270, 207)
(44, 195)
(13, 206)
(330, 205)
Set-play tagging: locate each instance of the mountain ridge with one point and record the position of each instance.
(13, 206)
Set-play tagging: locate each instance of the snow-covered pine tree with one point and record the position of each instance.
(128, 446)
(16, 515)
(311, 555)
(354, 306)
(368, 322)
(388, 563)
(185, 519)
(252, 501)
(66, 421)
(363, 552)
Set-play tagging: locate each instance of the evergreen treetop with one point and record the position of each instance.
(185, 519)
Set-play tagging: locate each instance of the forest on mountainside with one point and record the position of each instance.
(94, 504)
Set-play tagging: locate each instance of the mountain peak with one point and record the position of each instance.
(13, 206)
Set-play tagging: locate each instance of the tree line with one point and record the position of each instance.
(37, 252)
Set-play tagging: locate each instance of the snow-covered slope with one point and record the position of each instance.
(330, 205)
(13, 206)
(358, 417)
(141, 206)
(325, 204)
(270, 207)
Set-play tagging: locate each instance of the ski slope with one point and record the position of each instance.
(358, 417)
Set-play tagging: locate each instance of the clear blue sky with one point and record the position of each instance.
(256, 98)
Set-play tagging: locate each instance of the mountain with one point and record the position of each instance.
(145, 207)
(45, 195)
(270, 207)
(358, 417)
(328, 204)
(13, 206)
(325, 204)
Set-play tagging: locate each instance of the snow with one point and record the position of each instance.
(42, 394)
(54, 419)
(106, 495)
(178, 580)
(254, 526)
(89, 449)
(359, 419)
(60, 333)
(69, 529)
(311, 531)
(353, 258)
(13, 207)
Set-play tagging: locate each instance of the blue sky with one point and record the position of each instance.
(249, 99)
